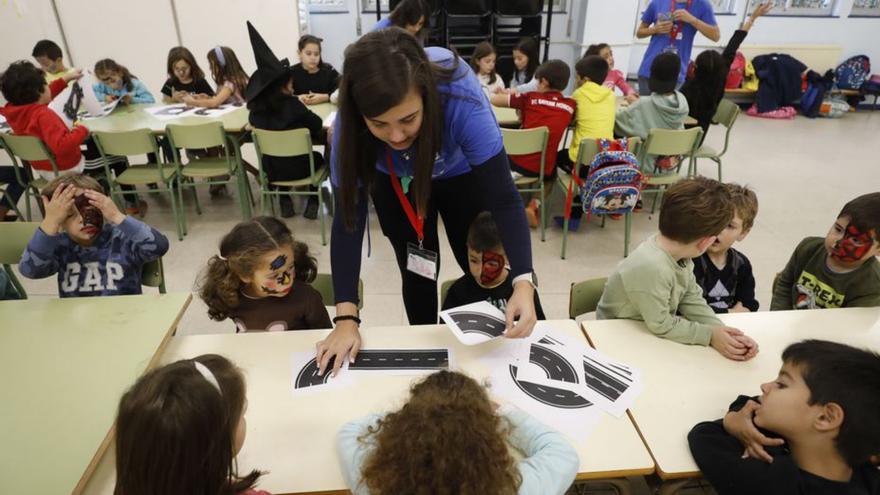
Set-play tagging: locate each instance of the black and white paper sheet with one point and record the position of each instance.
(475, 323)
(178, 110)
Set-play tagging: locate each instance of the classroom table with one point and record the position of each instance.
(131, 117)
(65, 363)
(685, 385)
(293, 437)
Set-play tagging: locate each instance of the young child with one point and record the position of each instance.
(274, 107)
(489, 279)
(117, 83)
(94, 248)
(179, 429)
(483, 63)
(595, 107)
(615, 78)
(811, 432)
(48, 54)
(839, 271)
(261, 279)
(724, 273)
(185, 77)
(313, 79)
(665, 108)
(525, 62)
(656, 283)
(230, 78)
(27, 112)
(545, 107)
(461, 446)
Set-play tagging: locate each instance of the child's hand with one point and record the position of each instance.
(762, 9)
(740, 425)
(72, 75)
(631, 98)
(110, 99)
(126, 98)
(725, 341)
(178, 96)
(106, 206)
(739, 308)
(684, 16)
(751, 346)
(57, 208)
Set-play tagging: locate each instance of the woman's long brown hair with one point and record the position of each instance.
(378, 72)
(175, 431)
(447, 439)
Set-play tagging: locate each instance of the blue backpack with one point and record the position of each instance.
(853, 72)
(614, 181)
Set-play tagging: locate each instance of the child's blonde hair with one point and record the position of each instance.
(79, 181)
(745, 203)
(240, 251)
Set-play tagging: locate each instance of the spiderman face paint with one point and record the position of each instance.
(92, 219)
(853, 245)
(493, 265)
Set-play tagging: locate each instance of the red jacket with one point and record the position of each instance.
(39, 120)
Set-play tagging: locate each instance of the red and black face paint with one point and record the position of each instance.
(93, 220)
(493, 264)
(853, 246)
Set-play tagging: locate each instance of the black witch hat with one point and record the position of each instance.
(269, 68)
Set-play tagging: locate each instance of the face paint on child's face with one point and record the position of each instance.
(92, 219)
(274, 274)
(492, 266)
(853, 245)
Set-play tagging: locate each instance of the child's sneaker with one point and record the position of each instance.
(532, 213)
(638, 206)
(615, 216)
(573, 223)
(136, 209)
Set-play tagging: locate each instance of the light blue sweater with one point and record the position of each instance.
(140, 93)
(549, 466)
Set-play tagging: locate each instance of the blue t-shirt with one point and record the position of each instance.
(701, 9)
(471, 135)
(382, 24)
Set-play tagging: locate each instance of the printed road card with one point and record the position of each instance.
(168, 112)
(475, 323)
(401, 361)
(76, 96)
(305, 374)
(106, 109)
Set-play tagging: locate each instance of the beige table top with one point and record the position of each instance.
(685, 385)
(293, 437)
(130, 117)
(65, 363)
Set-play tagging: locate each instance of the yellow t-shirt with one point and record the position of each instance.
(54, 75)
(594, 116)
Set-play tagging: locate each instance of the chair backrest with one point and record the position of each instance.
(444, 289)
(14, 238)
(525, 141)
(294, 142)
(28, 148)
(153, 275)
(665, 142)
(726, 113)
(584, 296)
(199, 136)
(323, 283)
(128, 143)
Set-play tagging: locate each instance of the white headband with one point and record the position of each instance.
(205, 372)
(218, 51)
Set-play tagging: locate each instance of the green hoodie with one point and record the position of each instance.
(651, 112)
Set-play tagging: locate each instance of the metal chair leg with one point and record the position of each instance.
(627, 219)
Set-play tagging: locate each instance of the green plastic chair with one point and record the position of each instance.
(28, 149)
(133, 143)
(584, 296)
(214, 170)
(153, 275)
(668, 142)
(323, 283)
(586, 152)
(14, 238)
(444, 289)
(526, 142)
(725, 115)
(290, 143)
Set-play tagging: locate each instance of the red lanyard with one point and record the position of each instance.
(417, 222)
(678, 25)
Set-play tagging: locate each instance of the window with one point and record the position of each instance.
(370, 5)
(327, 5)
(799, 7)
(866, 8)
(720, 6)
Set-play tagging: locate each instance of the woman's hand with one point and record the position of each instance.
(521, 306)
(344, 340)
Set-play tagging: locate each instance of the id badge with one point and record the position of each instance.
(679, 36)
(421, 261)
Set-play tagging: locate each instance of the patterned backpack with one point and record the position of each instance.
(614, 181)
(853, 72)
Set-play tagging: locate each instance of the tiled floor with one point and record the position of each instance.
(802, 170)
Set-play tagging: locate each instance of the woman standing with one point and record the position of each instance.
(415, 133)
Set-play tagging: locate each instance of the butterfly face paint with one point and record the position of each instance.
(92, 218)
(853, 245)
(493, 265)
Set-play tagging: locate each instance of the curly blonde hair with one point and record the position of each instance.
(431, 444)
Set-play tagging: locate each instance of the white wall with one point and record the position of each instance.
(139, 34)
